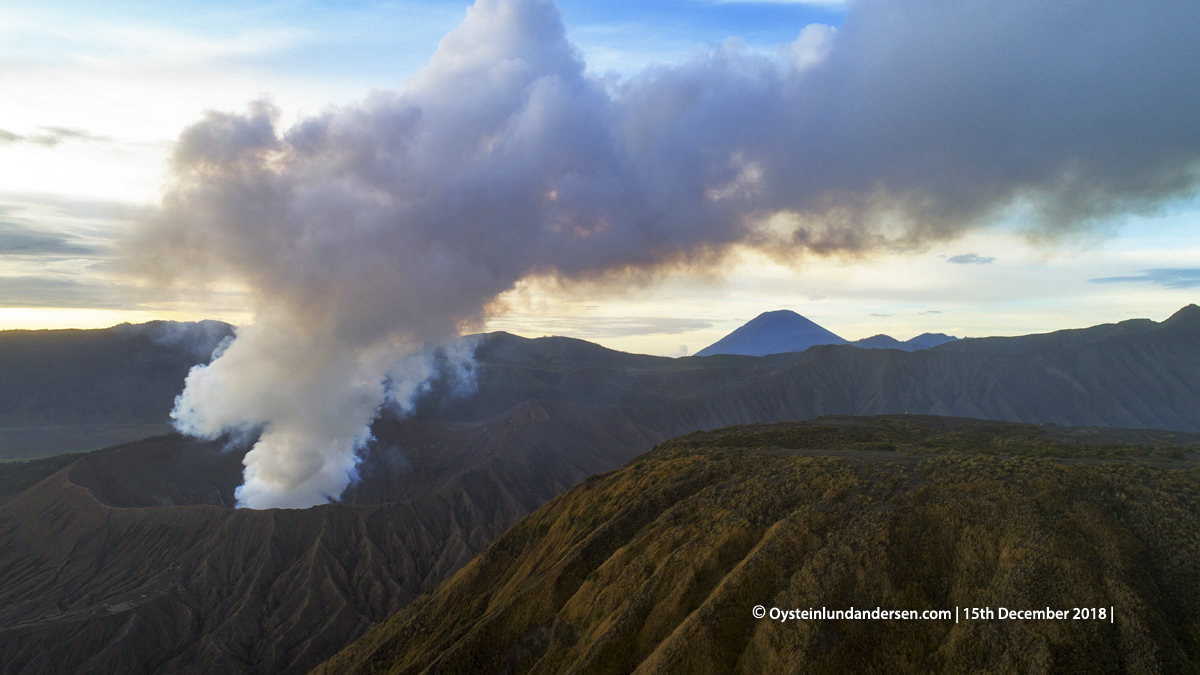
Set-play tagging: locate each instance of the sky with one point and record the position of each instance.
(98, 94)
(355, 185)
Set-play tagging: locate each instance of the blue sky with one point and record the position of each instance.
(97, 94)
(377, 44)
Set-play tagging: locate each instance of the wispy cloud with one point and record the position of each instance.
(928, 311)
(680, 351)
(1170, 277)
(18, 239)
(61, 292)
(971, 259)
(593, 327)
(50, 136)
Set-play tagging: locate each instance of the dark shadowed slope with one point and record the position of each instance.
(1150, 380)
(773, 333)
(202, 589)
(80, 550)
(656, 568)
(70, 390)
(597, 407)
(1146, 379)
(96, 580)
(1074, 338)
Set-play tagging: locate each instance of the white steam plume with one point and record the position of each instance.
(369, 231)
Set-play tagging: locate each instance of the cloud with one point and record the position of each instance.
(812, 46)
(366, 232)
(58, 251)
(882, 315)
(50, 136)
(679, 352)
(57, 291)
(593, 328)
(1178, 277)
(19, 239)
(971, 259)
(82, 291)
(930, 311)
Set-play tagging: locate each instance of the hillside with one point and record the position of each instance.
(437, 487)
(203, 589)
(1146, 379)
(71, 390)
(1074, 338)
(131, 560)
(657, 566)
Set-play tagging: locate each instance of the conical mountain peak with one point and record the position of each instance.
(773, 333)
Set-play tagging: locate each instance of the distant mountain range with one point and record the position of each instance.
(71, 390)
(922, 341)
(131, 559)
(785, 331)
(773, 333)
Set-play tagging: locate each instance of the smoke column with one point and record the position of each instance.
(367, 232)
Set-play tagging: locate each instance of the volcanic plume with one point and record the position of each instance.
(370, 232)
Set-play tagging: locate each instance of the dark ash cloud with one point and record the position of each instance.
(370, 230)
(971, 259)
(1177, 277)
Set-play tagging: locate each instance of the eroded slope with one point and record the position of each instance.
(657, 566)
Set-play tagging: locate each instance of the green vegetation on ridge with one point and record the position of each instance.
(922, 433)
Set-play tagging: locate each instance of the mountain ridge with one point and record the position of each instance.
(436, 487)
(922, 341)
(656, 567)
(70, 390)
(782, 331)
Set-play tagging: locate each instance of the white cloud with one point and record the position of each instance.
(812, 46)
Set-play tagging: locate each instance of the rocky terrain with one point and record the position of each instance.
(84, 537)
(657, 567)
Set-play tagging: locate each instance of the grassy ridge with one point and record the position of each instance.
(929, 434)
(655, 567)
